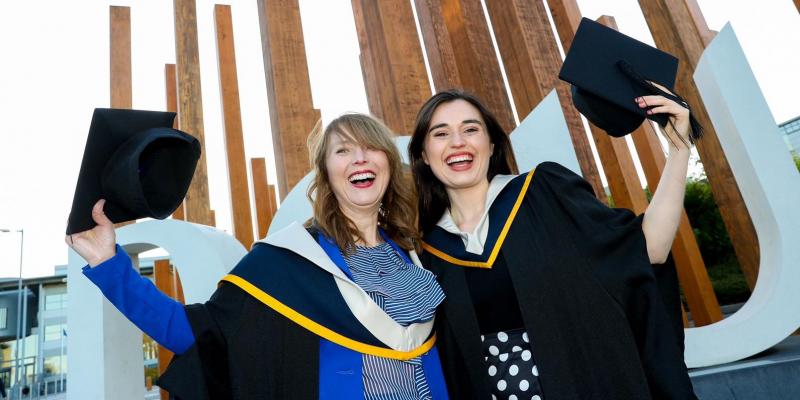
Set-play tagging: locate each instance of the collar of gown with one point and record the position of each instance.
(475, 240)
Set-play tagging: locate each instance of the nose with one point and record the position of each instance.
(359, 155)
(456, 140)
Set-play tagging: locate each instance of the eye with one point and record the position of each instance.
(341, 150)
(472, 129)
(440, 134)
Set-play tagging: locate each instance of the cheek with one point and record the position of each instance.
(334, 171)
(430, 152)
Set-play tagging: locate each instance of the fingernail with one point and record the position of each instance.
(649, 111)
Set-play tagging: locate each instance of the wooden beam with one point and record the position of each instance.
(171, 92)
(164, 283)
(566, 18)
(532, 61)
(291, 110)
(391, 61)
(689, 263)
(263, 197)
(623, 180)
(121, 82)
(232, 122)
(273, 200)
(121, 86)
(676, 29)
(190, 107)
(461, 54)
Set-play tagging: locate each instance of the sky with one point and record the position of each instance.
(55, 71)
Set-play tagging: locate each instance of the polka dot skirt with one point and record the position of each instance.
(512, 371)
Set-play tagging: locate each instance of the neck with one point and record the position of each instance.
(468, 204)
(366, 221)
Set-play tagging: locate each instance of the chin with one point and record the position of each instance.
(365, 201)
(459, 182)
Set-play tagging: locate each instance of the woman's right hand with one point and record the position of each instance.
(98, 244)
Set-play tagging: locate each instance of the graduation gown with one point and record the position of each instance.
(288, 323)
(587, 293)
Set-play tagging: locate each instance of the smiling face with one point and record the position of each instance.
(358, 175)
(457, 146)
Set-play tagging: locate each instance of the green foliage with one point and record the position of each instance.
(712, 238)
(728, 282)
(796, 161)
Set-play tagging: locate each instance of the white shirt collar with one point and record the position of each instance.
(475, 240)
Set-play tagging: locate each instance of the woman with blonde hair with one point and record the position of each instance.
(338, 308)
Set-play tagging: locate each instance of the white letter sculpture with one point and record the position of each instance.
(770, 187)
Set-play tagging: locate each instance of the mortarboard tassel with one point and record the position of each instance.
(627, 69)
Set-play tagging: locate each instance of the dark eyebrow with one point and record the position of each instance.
(466, 121)
(437, 126)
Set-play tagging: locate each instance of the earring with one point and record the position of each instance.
(381, 210)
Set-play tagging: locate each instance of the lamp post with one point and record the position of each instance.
(20, 329)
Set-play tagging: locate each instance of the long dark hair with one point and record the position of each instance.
(432, 197)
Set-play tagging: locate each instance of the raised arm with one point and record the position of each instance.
(110, 268)
(664, 212)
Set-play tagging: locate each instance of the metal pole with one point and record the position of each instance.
(40, 322)
(61, 365)
(20, 328)
(24, 377)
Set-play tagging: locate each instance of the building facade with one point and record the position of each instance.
(33, 336)
(791, 134)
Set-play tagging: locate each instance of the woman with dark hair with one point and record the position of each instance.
(550, 293)
(337, 309)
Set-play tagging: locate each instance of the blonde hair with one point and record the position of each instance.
(398, 214)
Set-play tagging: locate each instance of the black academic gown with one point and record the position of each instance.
(588, 296)
(260, 334)
(233, 358)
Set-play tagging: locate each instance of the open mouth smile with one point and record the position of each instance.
(459, 161)
(362, 179)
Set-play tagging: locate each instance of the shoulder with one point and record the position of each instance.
(546, 174)
(265, 258)
(553, 170)
(558, 179)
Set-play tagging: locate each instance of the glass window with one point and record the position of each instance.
(55, 301)
(4, 318)
(55, 365)
(54, 332)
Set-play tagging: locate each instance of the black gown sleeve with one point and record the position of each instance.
(202, 371)
(614, 245)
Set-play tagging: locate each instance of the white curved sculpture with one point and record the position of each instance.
(770, 186)
(105, 349)
(543, 136)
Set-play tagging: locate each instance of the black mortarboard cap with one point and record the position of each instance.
(608, 70)
(137, 162)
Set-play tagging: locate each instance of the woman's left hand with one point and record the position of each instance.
(677, 130)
